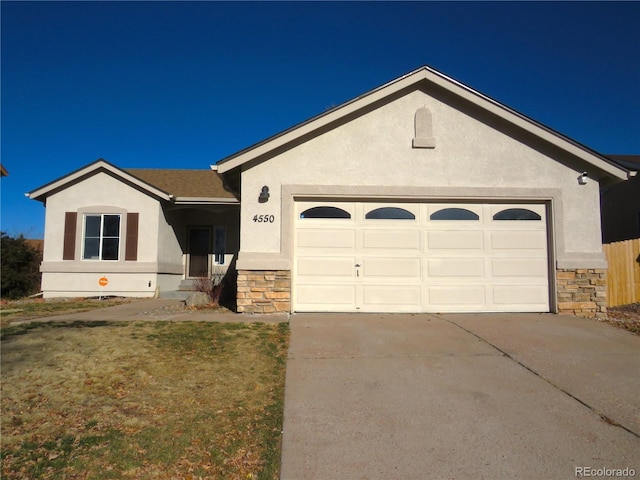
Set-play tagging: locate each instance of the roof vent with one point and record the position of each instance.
(424, 129)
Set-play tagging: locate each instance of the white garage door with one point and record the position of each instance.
(409, 257)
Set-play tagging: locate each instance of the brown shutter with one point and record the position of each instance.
(69, 247)
(131, 247)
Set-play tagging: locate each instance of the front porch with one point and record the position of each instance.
(208, 238)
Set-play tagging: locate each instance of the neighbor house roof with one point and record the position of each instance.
(36, 243)
(414, 80)
(176, 186)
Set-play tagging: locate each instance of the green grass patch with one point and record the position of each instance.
(143, 400)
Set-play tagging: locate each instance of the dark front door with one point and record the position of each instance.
(199, 248)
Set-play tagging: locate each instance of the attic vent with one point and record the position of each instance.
(424, 129)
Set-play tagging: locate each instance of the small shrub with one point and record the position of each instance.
(20, 267)
(213, 286)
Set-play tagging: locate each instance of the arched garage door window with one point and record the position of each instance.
(390, 213)
(516, 214)
(454, 214)
(325, 212)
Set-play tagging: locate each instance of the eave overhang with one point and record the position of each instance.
(205, 201)
(413, 80)
(98, 166)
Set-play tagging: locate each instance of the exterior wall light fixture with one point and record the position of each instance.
(264, 195)
(583, 178)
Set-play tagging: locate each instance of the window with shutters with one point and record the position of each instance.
(101, 237)
(110, 235)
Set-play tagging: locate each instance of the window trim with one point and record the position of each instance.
(101, 236)
(217, 253)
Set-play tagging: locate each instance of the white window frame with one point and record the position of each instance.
(102, 237)
(219, 251)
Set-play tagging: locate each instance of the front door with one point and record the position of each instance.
(198, 254)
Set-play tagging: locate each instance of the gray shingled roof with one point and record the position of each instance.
(183, 183)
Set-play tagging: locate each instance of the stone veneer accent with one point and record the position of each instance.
(264, 291)
(582, 292)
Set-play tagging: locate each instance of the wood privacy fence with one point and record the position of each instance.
(623, 276)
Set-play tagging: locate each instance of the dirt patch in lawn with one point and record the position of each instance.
(625, 316)
(143, 400)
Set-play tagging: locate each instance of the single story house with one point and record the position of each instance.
(143, 230)
(422, 195)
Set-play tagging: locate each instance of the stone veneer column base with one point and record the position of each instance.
(582, 292)
(264, 291)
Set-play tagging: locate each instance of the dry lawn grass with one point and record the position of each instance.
(143, 400)
(29, 309)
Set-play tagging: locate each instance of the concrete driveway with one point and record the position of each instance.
(489, 396)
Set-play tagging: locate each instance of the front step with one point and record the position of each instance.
(177, 295)
(188, 284)
(185, 289)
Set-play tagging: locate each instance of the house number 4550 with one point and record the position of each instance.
(264, 218)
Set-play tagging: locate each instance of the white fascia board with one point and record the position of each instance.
(526, 123)
(100, 164)
(445, 82)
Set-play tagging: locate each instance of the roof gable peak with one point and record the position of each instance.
(92, 168)
(410, 81)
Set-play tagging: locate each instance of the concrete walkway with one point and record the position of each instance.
(527, 396)
(162, 309)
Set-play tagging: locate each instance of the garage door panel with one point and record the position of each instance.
(391, 267)
(391, 239)
(326, 266)
(455, 240)
(392, 295)
(455, 267)
(520, 294)
(325, 295)
(519, 267)
(522, 240)
(457, 295)
(326, 238)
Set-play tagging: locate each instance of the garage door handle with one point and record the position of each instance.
(357, 264)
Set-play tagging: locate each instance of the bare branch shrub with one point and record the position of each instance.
(213, 286)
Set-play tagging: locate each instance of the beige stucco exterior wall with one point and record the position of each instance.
(372, 155)
(159, 263)
(103, 193)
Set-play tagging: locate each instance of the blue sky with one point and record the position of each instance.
(184, 84)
